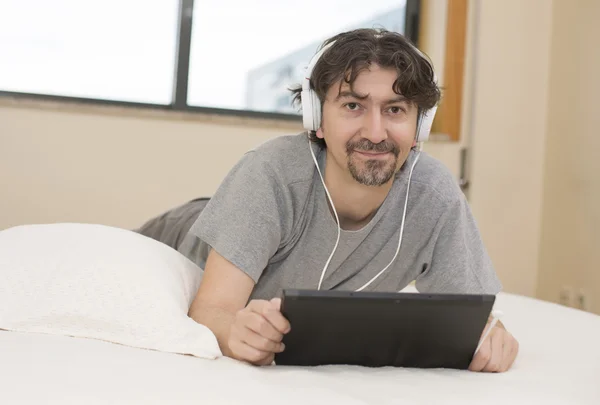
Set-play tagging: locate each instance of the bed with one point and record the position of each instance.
(53, 352)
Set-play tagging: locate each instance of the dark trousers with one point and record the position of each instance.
(171, 226)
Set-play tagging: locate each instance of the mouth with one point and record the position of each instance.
(373, 155)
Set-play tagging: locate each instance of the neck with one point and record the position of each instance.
(355, 203)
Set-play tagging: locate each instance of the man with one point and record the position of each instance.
(327, 210)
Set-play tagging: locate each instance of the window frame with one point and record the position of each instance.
(181, 76)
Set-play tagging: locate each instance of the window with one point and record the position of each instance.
(233, 56)
(246, 54)
(103, 49)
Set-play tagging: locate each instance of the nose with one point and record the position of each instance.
(375, 130)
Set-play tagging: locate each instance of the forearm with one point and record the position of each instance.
(218, 320)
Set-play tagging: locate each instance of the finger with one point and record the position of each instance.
(257, 305)
(510, 352)
(256, 322)
(276, 303)
(482, 357)
(259, 342)
(497, 342)
(275, 317)
(506, 353)
(514, 352)
(267, 360)
(245, 352)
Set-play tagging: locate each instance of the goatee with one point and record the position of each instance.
(373, 172)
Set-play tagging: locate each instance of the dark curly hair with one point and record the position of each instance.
(355, 50)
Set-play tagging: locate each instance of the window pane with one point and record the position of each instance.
(246, 54)
(107, 49)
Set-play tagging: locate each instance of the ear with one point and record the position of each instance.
(320, 133)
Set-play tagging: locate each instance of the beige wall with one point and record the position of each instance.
(570, 237)
(509, 131)
(62, 163)
(109, 166)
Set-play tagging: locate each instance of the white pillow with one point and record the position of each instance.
(99, 282)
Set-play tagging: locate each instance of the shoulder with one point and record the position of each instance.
(287, 157)
(434, 179)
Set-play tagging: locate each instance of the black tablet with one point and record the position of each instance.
(382, 329)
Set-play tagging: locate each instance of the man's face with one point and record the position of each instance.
(369, 129)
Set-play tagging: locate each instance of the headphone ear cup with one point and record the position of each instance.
(425, 123)
(316, 110)
(307, 110)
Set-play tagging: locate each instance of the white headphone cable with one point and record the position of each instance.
(402, 224)
(338, 221)
(496, 315)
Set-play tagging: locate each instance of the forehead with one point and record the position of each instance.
(372, 81)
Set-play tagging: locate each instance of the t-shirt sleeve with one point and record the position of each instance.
(460, 262)
(244, 219)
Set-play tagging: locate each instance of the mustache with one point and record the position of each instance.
(365, 145)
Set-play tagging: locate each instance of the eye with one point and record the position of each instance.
(397, 110)
(352, 106)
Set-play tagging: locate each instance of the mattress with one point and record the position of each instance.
(559, 363)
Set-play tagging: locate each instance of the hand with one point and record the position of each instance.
(497, 353)
(257, 331)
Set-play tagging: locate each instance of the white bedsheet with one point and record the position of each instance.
(559, 364)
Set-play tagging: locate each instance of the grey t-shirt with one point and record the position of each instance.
(270, 217)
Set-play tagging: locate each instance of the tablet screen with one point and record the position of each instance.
(382, 329)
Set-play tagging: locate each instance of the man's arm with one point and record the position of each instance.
(250, 332)
(224, 291)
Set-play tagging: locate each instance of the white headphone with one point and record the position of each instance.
(311, 117)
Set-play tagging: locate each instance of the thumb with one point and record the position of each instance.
(276, 303)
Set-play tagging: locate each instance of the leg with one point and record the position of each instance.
(171, 227)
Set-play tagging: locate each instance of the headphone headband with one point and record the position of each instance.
(311, 65)
(311, 105)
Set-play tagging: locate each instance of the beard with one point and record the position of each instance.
(372, 172)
